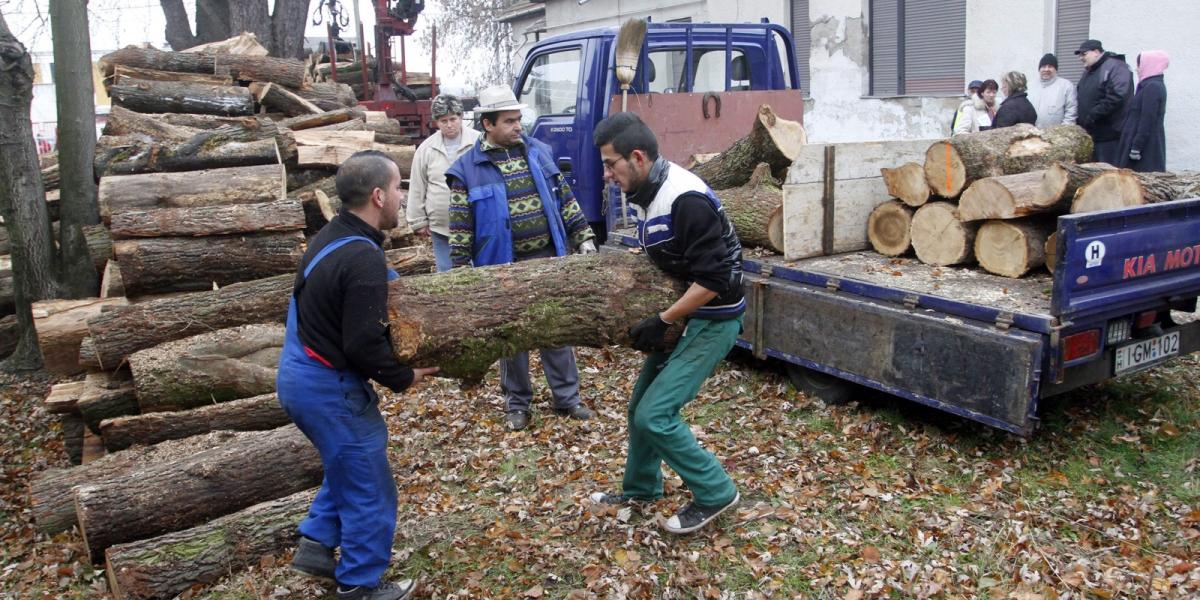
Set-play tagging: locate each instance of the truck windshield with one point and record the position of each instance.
(551, 88)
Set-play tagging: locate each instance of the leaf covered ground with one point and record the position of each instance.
(880, 498)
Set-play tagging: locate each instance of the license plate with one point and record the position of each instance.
(1139, 355)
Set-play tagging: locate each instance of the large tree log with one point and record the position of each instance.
(756, 210)
(188, 264)
(939, 237)
(183, 97)
(1012, 196)
(52, 503)
(118, 333)
(242, 67)
(214, 187)
(951, 165)
(164, 566)
(247, 414)
(281, 99)
(175, 495)
(466, 319)
(328, 95)
(222, 365)
(286, 215)
(122, 121)
(322, 119)
(772, 139)
(123, 74)
(127, 155)
(1012, 248)
(907, 182)
(61, 326)
(889, 228)
(106, 396)
(1123, 187)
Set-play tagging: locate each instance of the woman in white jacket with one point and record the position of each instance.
(1054, 99)
(975, 113)
(428, 209)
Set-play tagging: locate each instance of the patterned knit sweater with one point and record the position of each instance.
(530, 231)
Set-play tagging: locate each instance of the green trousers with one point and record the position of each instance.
(657, 433)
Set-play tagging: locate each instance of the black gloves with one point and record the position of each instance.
(649, 334)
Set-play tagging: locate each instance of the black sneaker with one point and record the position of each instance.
(385, 591)
(693, 516)
(314, 559)
(579, 412)
(617, 499)
(517, 420)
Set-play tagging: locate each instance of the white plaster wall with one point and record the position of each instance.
(1005, 36)
(1131, 26)
(568, 15)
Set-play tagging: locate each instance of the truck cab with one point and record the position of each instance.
(704, 81)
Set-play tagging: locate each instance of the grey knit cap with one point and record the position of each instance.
(445, 104)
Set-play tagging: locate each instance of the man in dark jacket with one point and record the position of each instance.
(1104, 92)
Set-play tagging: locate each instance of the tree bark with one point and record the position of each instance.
(772, 139)
(183, 97)
(187, 264)
(329, 95)
(52, 502)
(156, 567)
(106, 396)
(8, 294)
(123, 74)
(341, 115)
(288, 21)
(192, 189)
(120, 332)
(283, 71)
(51, 177)
(286, 215)
(8, 335)
(175, 495)
(164, 126)
(129, 155)
(1122, 188)
(61, 326)
(1012, 248)
(75, 98)
(889, 228)
(466, 319)
(73, 431)
(281, 99)
(907, 183)
(247, 414)
(218, 366)
(756, 210)
(939, 237)
(952, 165)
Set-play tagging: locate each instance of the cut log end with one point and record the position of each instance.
(1115, 189)
(907, 183)
(1011, 248)
(939, 237)
(889, 228)
(788, 135)
(944, 169)
(1051, 250)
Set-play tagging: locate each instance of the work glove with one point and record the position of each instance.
(1135, 154)
(650, 334)
(587, 247)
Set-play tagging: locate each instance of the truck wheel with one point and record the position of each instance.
(815, 384)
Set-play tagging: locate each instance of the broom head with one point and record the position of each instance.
(629, 49)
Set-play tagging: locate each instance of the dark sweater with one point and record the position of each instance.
(1015, 109)
(342, 306)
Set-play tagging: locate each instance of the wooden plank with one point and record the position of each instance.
(63, 397)
(356, 140)
(856, 160)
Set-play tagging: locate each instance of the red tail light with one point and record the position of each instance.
(1146, 319)
(1080, 345)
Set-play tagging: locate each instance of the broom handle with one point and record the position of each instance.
(624, 200)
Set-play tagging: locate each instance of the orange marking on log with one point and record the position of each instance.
(947, 167)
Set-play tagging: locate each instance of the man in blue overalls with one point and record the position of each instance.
(336, 341)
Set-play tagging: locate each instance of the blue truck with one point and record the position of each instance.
(984, 347)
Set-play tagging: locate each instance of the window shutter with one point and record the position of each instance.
(1071, 20)
(935, 46)
(802, 36)
(885, 48)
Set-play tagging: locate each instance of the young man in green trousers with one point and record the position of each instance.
(684, 231)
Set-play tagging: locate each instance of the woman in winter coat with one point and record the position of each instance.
(975, 113)
(1143, 139)
(1016, 107)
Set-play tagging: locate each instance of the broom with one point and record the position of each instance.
(629, 50)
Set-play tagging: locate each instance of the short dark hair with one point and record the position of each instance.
(626, 132)
(360, 175)
(490, 117)
(989, 84)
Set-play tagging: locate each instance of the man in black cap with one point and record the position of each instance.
(1104, 92)
(1054, 99)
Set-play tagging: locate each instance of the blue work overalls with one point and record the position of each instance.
(338, 410)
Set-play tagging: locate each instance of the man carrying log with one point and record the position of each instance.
(685, 232)
(336, 341)
(509, 203)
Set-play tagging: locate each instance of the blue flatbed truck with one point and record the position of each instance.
(981, 346)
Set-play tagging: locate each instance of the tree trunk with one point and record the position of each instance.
(122, 121)
(466, 319)
(287, 72)
(1013, 196)
(889, 228)
(183, 97)
(73, 431)
(128, 155)
(332, 117)
(1122, 187)
(247, 414)
(939, 237)
(192, 189)
(155, 567)
(123, 74)
(22, 199)
(329, 96)
(75, 97)
(99, 246)
(288, 21)
(286, 215)
(907, 183)
(192, 490)
(61, 326)
(107, 396)
(772, 139)
(118, 333)
(52, 503)
(1051, 251)
(756, 210)
(218, 366)
(952, 165)
(1012, 248)
(188, 264)
(281, 99)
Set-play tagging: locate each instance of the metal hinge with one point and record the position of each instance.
(1004, 320)
(911, 301)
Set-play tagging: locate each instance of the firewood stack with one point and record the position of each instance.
(992, 197)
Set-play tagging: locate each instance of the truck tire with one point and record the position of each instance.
(831, 390)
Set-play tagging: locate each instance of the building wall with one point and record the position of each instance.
(568, 15)
(1006, 36)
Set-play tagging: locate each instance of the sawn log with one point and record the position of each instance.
(189, 264)
(284, 215)
(1012, 248)
(756, 210)
(213, 187)
(951, 165)
(247, 414)
(183, 97)
(242, 67)
(772, 139)
(61, 326)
